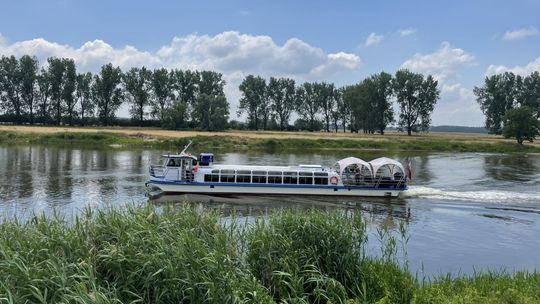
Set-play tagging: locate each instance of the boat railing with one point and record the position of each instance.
(187, 176)
(157, 170)
(386, 182)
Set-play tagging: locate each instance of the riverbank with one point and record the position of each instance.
(253, 140)
(184, 254)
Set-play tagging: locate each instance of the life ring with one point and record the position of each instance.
(334, 180)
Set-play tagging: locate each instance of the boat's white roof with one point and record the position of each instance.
(308, 168)
(344, 163)
(178, 156)
(377, 163)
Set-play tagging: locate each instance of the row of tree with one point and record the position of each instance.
(57, 94)
(511, 104)
(366, 106)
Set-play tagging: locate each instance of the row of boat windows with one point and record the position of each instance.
(267, 177)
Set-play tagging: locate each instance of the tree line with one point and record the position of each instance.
(511, 104)
(58, 94)
(366, 106)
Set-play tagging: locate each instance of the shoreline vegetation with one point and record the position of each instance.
(184, 254)
(260, 140)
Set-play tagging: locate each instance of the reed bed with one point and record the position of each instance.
(189, 255)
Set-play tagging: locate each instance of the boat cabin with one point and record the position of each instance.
(176, 167)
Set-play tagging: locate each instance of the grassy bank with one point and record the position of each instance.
(172, 140)
(182, 255)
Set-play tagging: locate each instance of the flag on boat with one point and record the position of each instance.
(409, 171)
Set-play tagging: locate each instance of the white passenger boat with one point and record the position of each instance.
(185, 173)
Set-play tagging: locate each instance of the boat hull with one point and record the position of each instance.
(217, 188)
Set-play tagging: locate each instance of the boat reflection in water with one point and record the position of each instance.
(380, 212)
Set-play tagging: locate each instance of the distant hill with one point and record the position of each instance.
(460, 129)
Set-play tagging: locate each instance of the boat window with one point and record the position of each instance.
(215, 171)
(227, 176)
(173, 163)
(259, 179)
(290, 178)
(211, 177)
(243, 176)
(274, 179)
(259, 172)
(306, 178)
(323, 174)
(321, 180)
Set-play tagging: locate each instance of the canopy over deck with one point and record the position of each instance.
(378, 163)
(346, 162)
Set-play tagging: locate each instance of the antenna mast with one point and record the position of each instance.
(186, 147)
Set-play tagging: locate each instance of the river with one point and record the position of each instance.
(465, 212)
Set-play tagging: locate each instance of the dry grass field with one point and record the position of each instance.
(435, 141)
(159, 133)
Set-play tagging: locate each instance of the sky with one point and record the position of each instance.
(459, 42)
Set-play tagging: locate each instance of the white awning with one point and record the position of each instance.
(376, 164)
(344, 163)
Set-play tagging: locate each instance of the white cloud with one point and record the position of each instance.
(520, 33)
(444, 63)
(231, 53)
(520, 70)
(406, 32)
(457, 104)
(373, 39)
(89, 57)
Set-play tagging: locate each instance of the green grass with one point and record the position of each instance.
(188, 255)
(412, 144)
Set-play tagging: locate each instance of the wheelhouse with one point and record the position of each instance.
(176, 167)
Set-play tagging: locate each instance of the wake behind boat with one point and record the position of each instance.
(185, 173)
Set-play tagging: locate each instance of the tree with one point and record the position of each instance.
(211, 112)
(185, 84)
(56, 75)
(416, 98)
(521, 123)
(176, 116)
(307, 104)
(10, 86)
(69, 83)
(43, 94)
(338, 110)
(107, 92)
(28, 68)
(83, 93)
(162, 92)
(281, 96)
(498, 95)
(344, 107)
(211, 109)
(253, 90)
(529, 92)
(381, 94)
(326, 99)
(137, 84)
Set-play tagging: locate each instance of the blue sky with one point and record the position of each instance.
(460, 42)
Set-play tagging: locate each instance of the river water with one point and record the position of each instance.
(465, 212)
